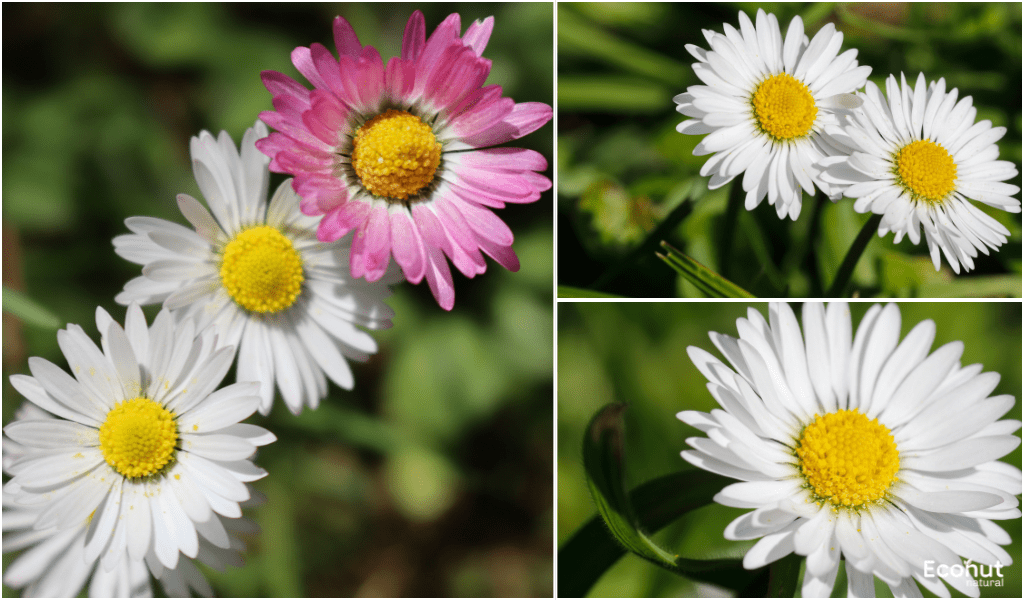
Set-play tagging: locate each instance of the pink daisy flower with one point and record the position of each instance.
(403, 153)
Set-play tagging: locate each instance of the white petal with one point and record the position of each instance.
(962, 454)
(771, 547)
(217, 447)
(755, 494)
(946, 501)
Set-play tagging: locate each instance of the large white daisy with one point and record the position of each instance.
(258, 275)
(144, 454)
(858, 446)
(917, 158)
(765, 105)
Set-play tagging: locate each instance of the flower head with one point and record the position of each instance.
(857, 446)
(765, 105)
(141, 458)
(399, 153)
(917, 158)
(258, 275)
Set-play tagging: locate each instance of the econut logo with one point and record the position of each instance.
(981, 575)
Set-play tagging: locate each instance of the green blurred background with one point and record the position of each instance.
(623, 167)
(434, 476)
(636, 353)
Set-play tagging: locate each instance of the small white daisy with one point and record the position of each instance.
(258, 274)
(857, 446)
(144, 454)
(765, 105)
(917, 158)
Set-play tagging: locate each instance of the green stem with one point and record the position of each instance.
(649, 245)
(842, 279)
(727, 241)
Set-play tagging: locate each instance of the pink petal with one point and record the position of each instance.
(528, 117)
(464, 252)
(326, 119)
(485, 120)
(414, 38)
(303, 61)
(330, 71)
(524, 118)
(462, 74)
(294, 162)
(505, 159)
(478, 34)
(537, 181)
(341, 220)
(439, 278)
(504, 255)
(400, 77)
(345, 38)
(279, 83)
(485, 223)
(378, 244)
(407, 246)
(437, 47)
(506, 185)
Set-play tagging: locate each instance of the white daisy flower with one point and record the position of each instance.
(53, 563)
(765, 105)
(916, 159)
(144, 454)
(258, 275)
(857, 446)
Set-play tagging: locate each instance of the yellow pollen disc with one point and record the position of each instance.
(138, 437)
(847, 459)
(261, 270)
(926, 170)
(395, 154)
(784, 107)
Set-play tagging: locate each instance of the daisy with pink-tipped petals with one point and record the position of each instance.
(403, 153)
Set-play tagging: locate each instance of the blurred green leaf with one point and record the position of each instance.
(565, 291)
(578, 36)
(29, 311)
(980, 286)
(612, 94)
(664, 500)
(707, 281)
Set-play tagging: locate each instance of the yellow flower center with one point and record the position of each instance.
(395, 154)
(261, 270)
(138, 437)
(926, 170)
(847, 459)
(784, 107)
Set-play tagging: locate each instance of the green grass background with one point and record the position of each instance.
(434, 476)
(623, 167)
(636, 353)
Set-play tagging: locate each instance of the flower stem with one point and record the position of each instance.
(842, 278)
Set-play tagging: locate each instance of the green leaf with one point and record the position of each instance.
(591, 551)
(707, 281)
(565, 291)
(578, 36)
(784, 573)
(612, 94)
(29, 311)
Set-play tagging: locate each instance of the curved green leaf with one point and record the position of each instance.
(591, 551)
(28, 310)
(707, 281)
